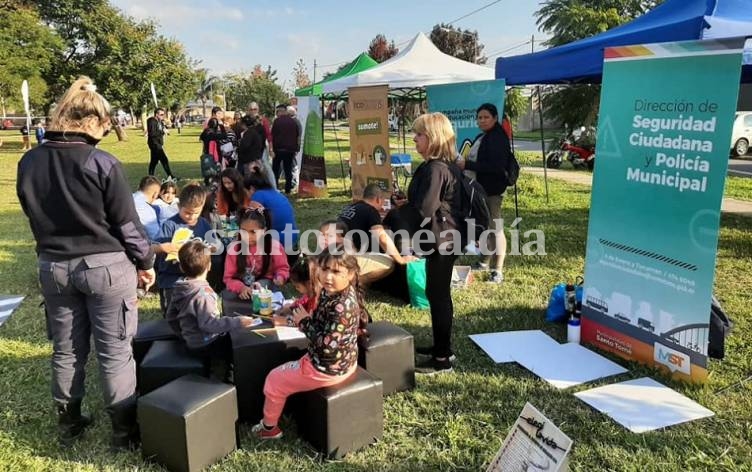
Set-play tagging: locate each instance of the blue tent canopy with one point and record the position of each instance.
(674, 20)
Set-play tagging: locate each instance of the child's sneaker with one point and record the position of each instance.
(261, 431)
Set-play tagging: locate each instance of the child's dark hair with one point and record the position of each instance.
(147, 182)
(194, 258)
(192, 195)
(263, 218)
(213, 123)
(339, 226)
(257, 179)
(239, 193)
(340, 256)
(168, 185)
(299, 272)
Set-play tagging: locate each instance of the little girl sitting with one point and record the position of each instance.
(255, 258)
(332, 329)
(167, 201)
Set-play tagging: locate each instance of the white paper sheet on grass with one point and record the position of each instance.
(643, 404)
(8, 303)
(501, 346)
(566, 365)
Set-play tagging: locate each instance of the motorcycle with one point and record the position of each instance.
(578, 148)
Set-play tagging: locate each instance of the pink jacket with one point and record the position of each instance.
(278, 267)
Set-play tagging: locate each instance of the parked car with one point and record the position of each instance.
(741, 136)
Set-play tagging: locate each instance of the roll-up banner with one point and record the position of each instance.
(459, 103)
(664, 130)
(312, 180)
(369, 139)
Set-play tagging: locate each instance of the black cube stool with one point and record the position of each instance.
(389, 356)
(188, 424)
(343, 418)
(147, 333)
(165, 362)
(253, 358)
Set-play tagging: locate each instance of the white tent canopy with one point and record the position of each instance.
(419, 64)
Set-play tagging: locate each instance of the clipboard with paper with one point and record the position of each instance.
(178, 239)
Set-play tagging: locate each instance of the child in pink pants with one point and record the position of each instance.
(332, 329)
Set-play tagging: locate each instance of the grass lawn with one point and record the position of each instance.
(454, 421)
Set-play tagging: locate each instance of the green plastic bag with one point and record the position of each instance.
(416, 284)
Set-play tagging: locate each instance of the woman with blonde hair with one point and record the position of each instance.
(88, 240)
(434, 192)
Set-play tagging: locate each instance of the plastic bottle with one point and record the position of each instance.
(573, 330)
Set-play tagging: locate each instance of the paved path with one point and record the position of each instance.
(741, 167)
(730, 205)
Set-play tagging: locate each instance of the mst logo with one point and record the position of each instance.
(674, 360)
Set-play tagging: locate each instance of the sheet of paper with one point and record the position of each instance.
(285, 333)
(501, 346)
(533, 443)
(179, 238)
(8, 303)
(566, 365)
(643, 404)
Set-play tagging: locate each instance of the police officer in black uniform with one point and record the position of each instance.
(92, 253)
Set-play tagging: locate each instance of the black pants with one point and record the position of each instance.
(283, 158)
(439, 294)
(158, 155)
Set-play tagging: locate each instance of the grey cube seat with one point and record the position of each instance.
(389, 355)
(188, 424)
(342, 418)
(165, 362)
(148, 332)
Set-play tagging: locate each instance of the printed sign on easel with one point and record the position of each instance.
(533, 444)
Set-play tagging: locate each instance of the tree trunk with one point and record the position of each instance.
(120, 132)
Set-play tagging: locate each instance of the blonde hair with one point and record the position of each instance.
(441, 138)
(80, 108)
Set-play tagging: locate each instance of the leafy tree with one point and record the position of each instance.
(380, 49)
(27, 51)
(570, 20)
(300, 74)
(515, 104)
(462, 44)
(244, 88)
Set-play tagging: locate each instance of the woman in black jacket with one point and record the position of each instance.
(250, 145)
(487, 161)
(92, 250)
(434, 193)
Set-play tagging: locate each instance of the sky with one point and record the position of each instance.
(234, 35)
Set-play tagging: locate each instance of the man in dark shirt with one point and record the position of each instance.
(286, 143)
(364, 221)
(155, 131)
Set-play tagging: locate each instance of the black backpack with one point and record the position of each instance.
(720, 327)
(209, 168)
(512, 171)
(473, 207)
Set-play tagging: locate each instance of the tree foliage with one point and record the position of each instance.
(244, 88)
(380, 49)
(300, 74)
(51, 42)
(27, 52)
(462, 44)
(570, 20)
(515, 104)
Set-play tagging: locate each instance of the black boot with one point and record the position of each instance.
(70, 422)
(125, 434)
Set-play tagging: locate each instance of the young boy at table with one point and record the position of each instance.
(192, 199)
(193, 313)
(255, 257)
(333, 329)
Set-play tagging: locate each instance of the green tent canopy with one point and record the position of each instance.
(359, 64)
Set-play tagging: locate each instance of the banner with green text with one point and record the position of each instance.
(459, 103)
(312, 166)
(663, 144)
